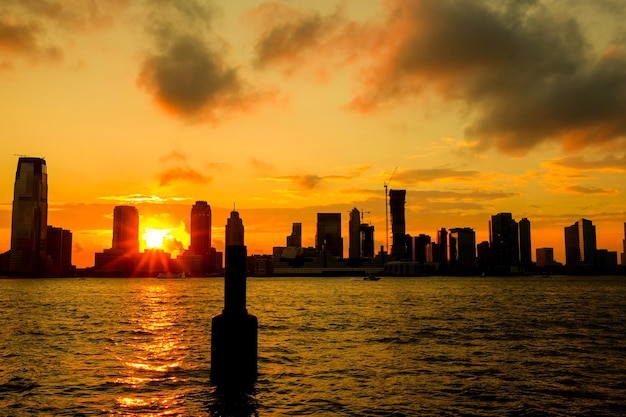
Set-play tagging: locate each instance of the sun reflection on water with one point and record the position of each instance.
(152, 362)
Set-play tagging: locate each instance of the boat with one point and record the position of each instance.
(171, 275)
(371, 277)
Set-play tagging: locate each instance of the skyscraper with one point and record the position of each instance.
(503, 240)
(525, 247)
(462, 250)
(580, 243)
(30, 217)
(59, 250)
(234, 230)
(398, 225)
(367, 240)
(442, 248)
(126, 229)
(200, 226)
(354, 226)
(295, 239)
(328, 237)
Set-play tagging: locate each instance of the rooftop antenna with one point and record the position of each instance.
(387, 209)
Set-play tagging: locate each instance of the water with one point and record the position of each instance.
(338, 346)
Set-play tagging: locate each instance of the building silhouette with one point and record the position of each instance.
(525, 246)
(295, 239)
(504, 243)
(126, 230)
(328, 237)
(29, 218)
(59, 251)
(367, 240)
(234, 230)
(624, 247)
(462, 250)
(483, 257)
(200, 229)
(354, 234)
(419, 247)
(580, 244)
(201, 240)
(545, 257)
(442, 248)
(397, 199)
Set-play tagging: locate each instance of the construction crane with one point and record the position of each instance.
(387, 209)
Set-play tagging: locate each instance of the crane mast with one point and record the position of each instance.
(386, 184)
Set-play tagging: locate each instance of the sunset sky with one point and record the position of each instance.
(287, 109)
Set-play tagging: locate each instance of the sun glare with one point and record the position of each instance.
(154, 237)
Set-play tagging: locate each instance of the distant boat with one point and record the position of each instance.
(371, 277)
(171, 275)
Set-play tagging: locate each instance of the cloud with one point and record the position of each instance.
(309, 181)
(139, 198)
(182, 174)
(186, 72)
(565, 174)
(526, 73)
(577, 189)
(416, 176)
(261, 166)
(289, 36)
(37, 30)
(610, 163)
(174, 156)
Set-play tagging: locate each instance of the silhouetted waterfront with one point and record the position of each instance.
(406, 346)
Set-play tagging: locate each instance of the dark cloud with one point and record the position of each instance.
(288, 35)
(38, 29)
(526, 72)
(526, 75)
(186, 73)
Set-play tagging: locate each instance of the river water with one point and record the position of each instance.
(438, 346)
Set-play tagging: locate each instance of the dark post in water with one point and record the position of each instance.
(234, 332)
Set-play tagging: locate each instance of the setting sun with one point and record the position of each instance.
(154, 237)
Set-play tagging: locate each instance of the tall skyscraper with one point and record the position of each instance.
(200, 228)
(295, 239)
(354, 226)
(328, 237)
(503, 240)
(419, 247)
(525, 247)
(30, 217)
(442, 247)
(126, 229)
(580, 243)
(234, 230)
(462, 250)
(397, 199)
(367, 240)
(59, 250)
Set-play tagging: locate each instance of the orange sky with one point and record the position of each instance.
(287, 109)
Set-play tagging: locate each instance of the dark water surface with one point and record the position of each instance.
(340, 346)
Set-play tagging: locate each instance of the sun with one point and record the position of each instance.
(154, 237)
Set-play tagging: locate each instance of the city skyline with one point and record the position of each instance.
(292, 109)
